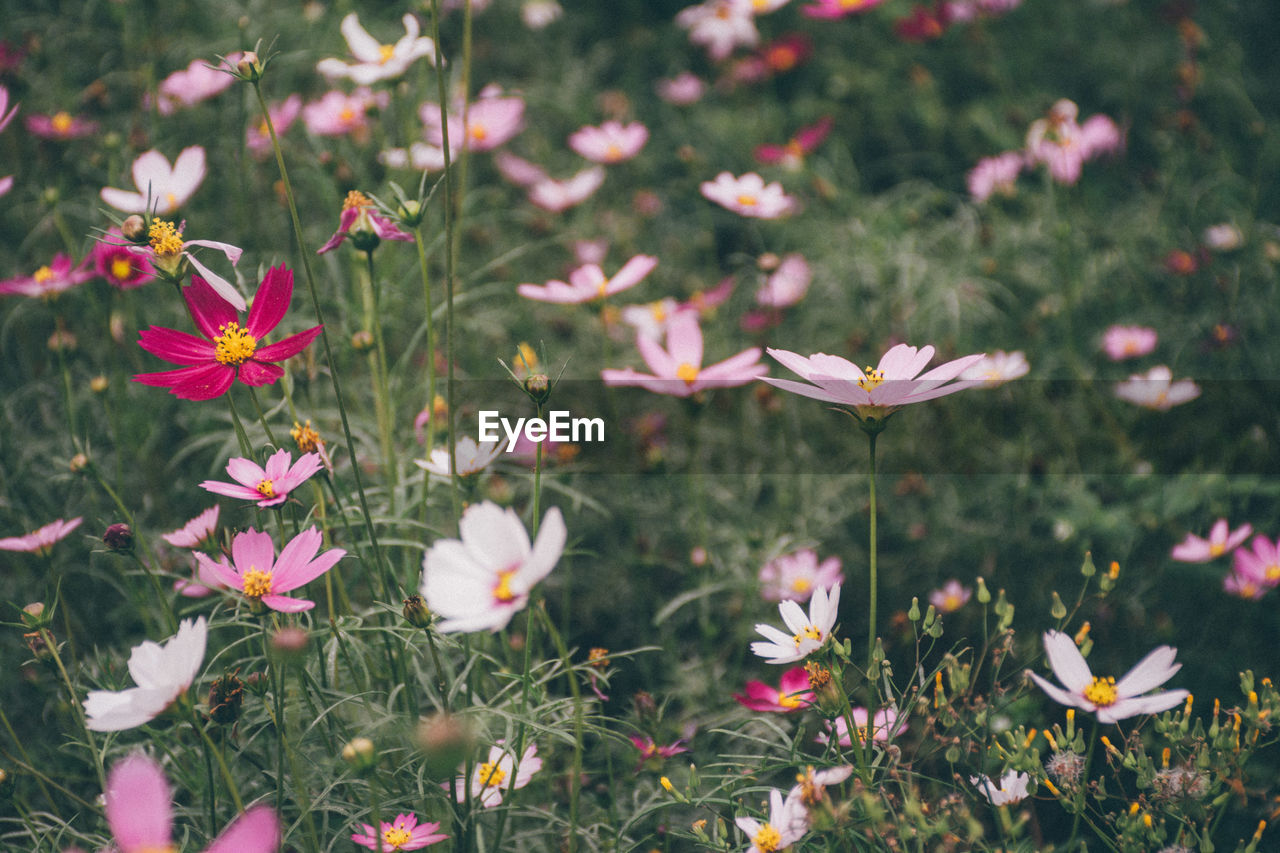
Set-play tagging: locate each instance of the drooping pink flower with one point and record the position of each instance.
(749, 195)
(950, 597)
(196, 531)
(403, 833)
(60, 126)
(498, 774)
(41, 540)
(794, 577)
(830, 10)
(998, 174)
(492, 120)
(611, 142)
(791, 694)
(256, 572)
(650, 752)
(162, 188)
(588, 283)
(791, 155)
(198, 82)
(1221, 540)
(171, 257)
(787, 284)
(678, 371)
(376, 61)
(720, 26)
(518, 170)
(268, 486)
(1109, 699)
(682, 90)
(1156, 389)
(58, 276)
(366, 227)
(558, 196)
(118, 264)
(1121, 342)
(227, 351)
(257, 137)
(888, 724)
(340, 114)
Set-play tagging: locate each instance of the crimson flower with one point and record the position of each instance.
(791, 694)
(650, 751)
(366, 227)
(228, 350)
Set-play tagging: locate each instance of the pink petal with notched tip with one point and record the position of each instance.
(271, 302)
(257, 374)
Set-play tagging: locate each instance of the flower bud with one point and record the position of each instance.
(39, 648)
(411, 213)
(361, 754)
(984, 595)
(446, 741)
(118, 537)
(914, 613)
(134, 229)
(362, 340)
(538, 387)
(1058, 610)
(33, 615)
(226, 695)
(78, 463)
(1088, 569)
(416, 612)
(250, 66)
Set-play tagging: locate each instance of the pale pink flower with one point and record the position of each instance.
(788, 822)
(1223, 237)
(1221, 540)
(590, 251)
(6, 117)
(808, 634)
(196, 531)
(998, 368)
(1259, 563)
(682, 90)
(472, 457)
(340, 114)
(518, 170)
(588, 283)
(198, 82)
(788, 284)
(749, 196)
(1012, 787)
(833, 9)
(1244, 586)
(419, 156)
(498, 774)
(611, 142)
(1121, 342)
(6, 184)
(1100, 135)
(705, 302)
(403, 833)
(268, 486)
(887, 726)
(950, 597)
(492, 120)
(1156, 389)
(558, 196)
(283, 114)
(811, 787)
(162, 188)
(162, 673)
(995, 174)
(720, 26)
(1063, 145)
(58, 276)
(1109, 699)
(41, 540)
(791, 694)
(539, 14)
(652, 319)
(256, 572)
(794, 577)
(376, 61)
(678, 371)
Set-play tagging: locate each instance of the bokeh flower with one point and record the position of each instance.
(41, 540)
(283, 114)
(678, 371)
(196, 531)
(998, 174)
(808, 634)
(950, 597)
(162, 673)
(791, 694)
(198, 82)
(1121, 342)
(888, 724)
(255, 571)
(651, 752)
(611, 142)
(472, 457)
(720, 26)
(268, 486)
(997, 368)
(60, 126)
(749, 196)
(555, 196)
(340, 114)
(376, 61)
(492, 120)
(794, 577)
(162, 188)
(832, 9)
(1012, 787)
(118, 263)
(58, 276)
(1221, 540)
(1156, 389)
(1109, 699)
(588, 282)
(787, 284)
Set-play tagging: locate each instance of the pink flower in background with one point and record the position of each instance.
(162, 673)
(403, 833)
(227, 351)
(951, 597)
(418, 156)
(340, 114)
(6, 184)
(887, 725)
(831, 9)
(518, 170)
(60, 126)
(257, 137)
(1121, 342)
(811, 787)
(268, 486)
(1156, 389)
(256, 572)
(1260, 562)
(678, 370)
(361, 221)
(376, 61)
(998, 368)
(6, 117)
(40, 541)
(720, 26)
(588, 283)
(682, 90)
(1109, 699)
(1063, 145)
(651, 752)
(492, 119)
(791, 694)
(611, 142)
(558, 196)
(651, 320)
(788, 284)
(792, 154)
(794, 577)
(1221, 540)
(705, 302)
(1245, 586)
(118, 264)
(58, 276)
(749, 196)
(498, 774)
(162, 188)
(923, 24)
(998, 174)
(808, 634)
(198, 82)
(195, 532)
(1100, 135)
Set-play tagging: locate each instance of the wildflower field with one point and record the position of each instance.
(536, 425)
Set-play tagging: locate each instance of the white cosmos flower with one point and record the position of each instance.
(807, 634)
(162, 673)
(1012, 787)
(492, 777)
(1111, 700)
(472, 458)
(162, 188)
(788, 822)
(376, 61)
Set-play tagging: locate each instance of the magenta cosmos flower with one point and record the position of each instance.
(256, 571)
(879, 391)
(40, 541)
(59, 275)
(794, 577)
(791, 156)
(403, 833)
(678, 371)
(364, 225)
(376, 61)
(1109, 699)
(268, 486)
(587, 283)
(791, 694)
(162, 188)
(139, 805)
(650, 751)
(118, 263)
(832, 9)
(611, 142)
(227, 351)
(61, 125)
(1221, 539)
(749, 196)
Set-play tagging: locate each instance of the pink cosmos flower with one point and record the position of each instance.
(162, 673)
(651, 752)
(1109, 699)
(997, 368)
(170, 256)
(1156, 389)
(705, 302)
(880, 391)
(1193, 549)
(888, 725)
(682, 90)
(720, 26)
(480, 581)
(791, 694)
(558, 196)
(419, 156)
(1121, 342)
(1260, 562)
(611, 142)
(58, 276)
(1012, 787)
(588, 283)
(495, 775)
(794, 577)
(950, 597)
(256, 572)
(376, 61)
(923, 24)
(162, 188)
(492, 120)
(6, 117)
(198, 82)
(61, 126)
(518, 170)
(257, 138)
(268, 486)
(749, 196)
(788, 822)
(807, 636)
(539, 14)
(41, 541)
(791, 155)
(139, 805)
(362, 222)
(1063, 145)
(1100, 135)
(998, 174)
(832, 9)
(403, 833)
(118, 264)
(227, 352)
(678, 371)
(340, 114)
(787, 284)
(196, 531)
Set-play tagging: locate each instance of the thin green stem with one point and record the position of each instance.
(383, 407)
(262, 416)
(575, 779)
(871, 628)
(431, 360)
(22, 750)
(52, 644)
(241, 435)
(217, 754)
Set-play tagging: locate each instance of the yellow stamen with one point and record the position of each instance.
(659, 313)
(1102, 692)
(234, 346)
(395, 837)
(767, 839)
(801, 585)
(687, 372)
(851, 4)
(171, 200)
(166, 240)
(347, 115)
(61, 123)
(490, 775)
(121, 269)
(307, 439)
(873, 379)
(256, 583)
(502, 591)
(747, 200)
(42, 275)
(788, 701)
(478, 132)
(266, 488)
(810, 632)
(355, 198)
(1217, 549)
(385, 52)
(613, 152)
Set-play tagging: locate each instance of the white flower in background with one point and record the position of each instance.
(162, 188)
(1156, 389)
(472, 458)
(997, 368)
(376, 61)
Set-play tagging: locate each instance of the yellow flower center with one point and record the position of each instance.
(42, 275)
(257, 583)
(810, 632)
(266, 488)
(613, 152)
(788, 701)
(121, 268)
(355, 198)
(873, 379)
(809, 793)
(851, 4)
(234, 346)
(395, 836)
(264, 129)
(767, 839)
(490, 775)
(760, 4)
(1217, 549)
(168, 848)
(61, 122)
(951, 603)
(603, 290)
(659, 313)
(1272, 572)
(687, 372)
(1102, 692)
(385, 52)
(347, 115)
(502, 592)
(478, 132)
(166, 240)
(801, 585)
(747, 200)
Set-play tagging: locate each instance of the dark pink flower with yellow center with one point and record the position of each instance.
(268, 486)
(403, 833)
(49, 280)
(650, 751)
(61, 125)
(791, 694)
(364, 225)
(792, 154)
(256, 572)
(118, 264)
(227, 351)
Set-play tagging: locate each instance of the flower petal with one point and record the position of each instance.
(208, 308)
(271, 302)
(1067, 662)
(255, 831)
(1150, 672)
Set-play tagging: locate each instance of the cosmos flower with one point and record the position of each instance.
(118, 264)
(268, 486)
(1193, 549)
(403, 833)
(998, 174)
(492, 120)
(1121, 342)
(480, 581)
(887, 725)
(196, 531)
(162, 188)
(539, 14)
(364, 225)
(1012, 787)
(170, 257)
(791, 694)
(139, 806)
(749, 196)
(340, 114)
(375, 61)
(787, 284)
(1260, 562)
(1063, 145)
(588, 283)
(791, 155)
(651, 320)
(678, 371)
(198, 82)
(58, 276)
(830, 10)
(257, 137)
(651, 752)
(807, 636)
(472, 457)
(495, 775)
(419, 156)
(162, 673)
(720, 26)
(1109, 699)
(788, 822)
(60, 126)
(794, 577)
(41, 541)
(227, 351)
(6, 184)
(950, 597)
(811, 786)
(518, 170)
(256, 572)
(1156, 389)
(997, 368)
(557, 196)
(611, 142)
(682, 90)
